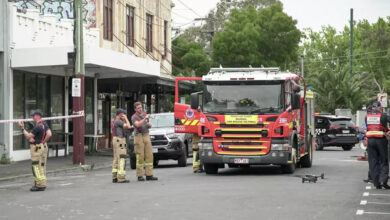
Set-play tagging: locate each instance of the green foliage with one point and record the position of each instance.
(190, 58)
(4, 159)
(327, 64)
(214, 20)
(254, 37)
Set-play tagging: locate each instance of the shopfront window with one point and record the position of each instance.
(89, 104)
(57, 107)
(36, 91)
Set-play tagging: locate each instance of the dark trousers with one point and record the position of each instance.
(378, 160)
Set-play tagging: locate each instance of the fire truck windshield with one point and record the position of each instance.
(243, 97)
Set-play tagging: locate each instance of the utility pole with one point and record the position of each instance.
(78, 86)
(302, 64)
(351, 42)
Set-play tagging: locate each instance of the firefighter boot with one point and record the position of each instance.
(151, 178)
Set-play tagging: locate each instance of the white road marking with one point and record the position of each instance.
(359, 212)
(66, 184)
(379, 203)
(363, 202)
(366, 194)
(368, 187)
(375, 213)
(380, 194)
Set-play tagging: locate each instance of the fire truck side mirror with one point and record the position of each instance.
(296, 101)
(296, 88)
(195, 100)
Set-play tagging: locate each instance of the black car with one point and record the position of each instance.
(332, 130)
(167, 145)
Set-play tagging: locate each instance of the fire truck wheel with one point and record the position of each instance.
(290, 168)
(211, 168)
(347, 147)
(319, 144)
(306, 161)
(133, 164)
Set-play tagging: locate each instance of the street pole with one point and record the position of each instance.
(302, 64)
(78, 100)
(351, 41)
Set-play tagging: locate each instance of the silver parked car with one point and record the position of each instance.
(167, 145)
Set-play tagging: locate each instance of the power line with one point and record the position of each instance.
(373, 52)
(125, 5)
(175, 12)
(189, 8)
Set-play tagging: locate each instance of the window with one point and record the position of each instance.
(107, 19)
(89, 105)
(149, 33)
(165, 39)
(130, 26)
(36, 91)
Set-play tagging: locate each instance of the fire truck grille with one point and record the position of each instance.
(223, 125)
(236, 146)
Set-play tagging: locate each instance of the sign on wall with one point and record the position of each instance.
(76, 87)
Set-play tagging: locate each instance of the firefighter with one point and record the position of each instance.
(142, 144)
(38, 137)
(119, 146)
(197, 167)
(377, 146)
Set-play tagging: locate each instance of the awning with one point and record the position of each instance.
(106, 63)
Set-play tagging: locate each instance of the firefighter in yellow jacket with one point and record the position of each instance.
(119, 146)
(38, 138)
(197, 166)
(142, 144)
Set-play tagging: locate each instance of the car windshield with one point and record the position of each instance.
(162, 121)
(243, 97)
(342, 123)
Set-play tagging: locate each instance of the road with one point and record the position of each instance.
(255, 193)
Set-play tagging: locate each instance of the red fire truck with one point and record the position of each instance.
(249, 116)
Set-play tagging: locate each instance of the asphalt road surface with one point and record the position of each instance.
(255, 193)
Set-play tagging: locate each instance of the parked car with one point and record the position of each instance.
(332, 130)
(167, 145)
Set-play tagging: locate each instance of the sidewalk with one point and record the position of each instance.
(22, 169)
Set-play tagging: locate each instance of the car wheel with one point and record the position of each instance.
(210, 168)
(182, 161)
(347, 147)
(319, 144)
(155, 163)
(133, 164)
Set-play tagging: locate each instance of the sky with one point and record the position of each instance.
(308, 13)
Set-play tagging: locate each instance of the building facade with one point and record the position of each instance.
(126, 53)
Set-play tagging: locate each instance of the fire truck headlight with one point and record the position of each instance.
(205, 146)
(279, 147)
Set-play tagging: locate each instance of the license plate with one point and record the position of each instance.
(241, 161)
(345, 131)
(155, 150)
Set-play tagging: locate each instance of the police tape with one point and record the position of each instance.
(74, 115)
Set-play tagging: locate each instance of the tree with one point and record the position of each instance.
(373, 51)
(254, 37)
(327, 64)
(189, 58)
(213, 22)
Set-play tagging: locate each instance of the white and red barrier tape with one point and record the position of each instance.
(75, 115)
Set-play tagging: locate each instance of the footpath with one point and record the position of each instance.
(22, 169)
